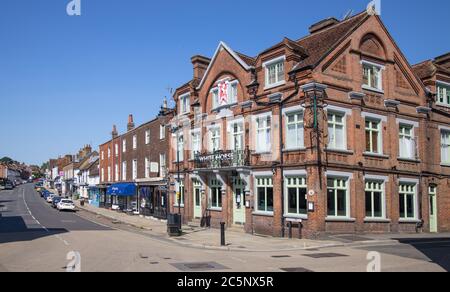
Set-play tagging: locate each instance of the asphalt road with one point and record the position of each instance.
(35, 237)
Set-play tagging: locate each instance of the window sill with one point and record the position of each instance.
(215, 209)
(410, 221)
(377, 220)
(409, 159)
(443, 104)
(294, 149)
(275, 85)
(262, 152)
(445, 164)
(293, 217)
(340, 219)
(376, 155)
(176, 206)
(343, 151)
(266, 214)
(376, 90)
(227, 106)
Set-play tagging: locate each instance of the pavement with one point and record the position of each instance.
(34, 237)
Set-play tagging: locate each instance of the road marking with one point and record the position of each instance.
(39, 223)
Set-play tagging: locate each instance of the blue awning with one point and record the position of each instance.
(122, 190)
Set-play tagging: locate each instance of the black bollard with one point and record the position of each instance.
(222, 234)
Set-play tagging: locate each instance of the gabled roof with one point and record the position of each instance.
(318, 45)
(238, 57)
(429, 68)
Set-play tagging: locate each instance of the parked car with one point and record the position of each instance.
(55, 201)
(66, 205)
(44, 193)
(49, 198)
(9, 185)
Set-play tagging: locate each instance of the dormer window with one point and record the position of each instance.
(372, 76)
(443, 94)
(185, 104)
(274, 71)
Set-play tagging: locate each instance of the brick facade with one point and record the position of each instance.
(323, 74)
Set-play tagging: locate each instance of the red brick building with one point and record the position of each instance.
(137, 160)
(328, 133)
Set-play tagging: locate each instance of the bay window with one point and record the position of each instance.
(336, 131)
(294, 130)
(264, 194)
(296, 196)
(263, 134)
(337, 197)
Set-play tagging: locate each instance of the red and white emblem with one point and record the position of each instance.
(223, 92)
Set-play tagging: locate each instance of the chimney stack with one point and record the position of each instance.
(200, 65)
(114, 132)
(130, 125)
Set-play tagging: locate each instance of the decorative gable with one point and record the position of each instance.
(340, 66)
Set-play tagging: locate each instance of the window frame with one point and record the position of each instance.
(134, 142)
(134, 169)
(336, 188)
(196, 143)
(299, 124)
(262, 148)
(232, 134)
(185, 103)
(335, 113)
(211, 131)
(124, 170)
(380, 68)
(300, 183)
(379, 130)
(408, 193)
(268, 183)
(445, 93)
(445, 143)
(402, 135)
(147, 136)
(382, 190)
(217, 185)
(124, 145)
(274, 63)
(162, 132)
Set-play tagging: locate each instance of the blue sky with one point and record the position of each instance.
(64, 81)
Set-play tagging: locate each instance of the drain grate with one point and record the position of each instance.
(325, 255)
(280, 256)
(206, 266)
(296, 270)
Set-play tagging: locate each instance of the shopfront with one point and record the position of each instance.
(123, 197)
(94, 196)
(153, 198)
